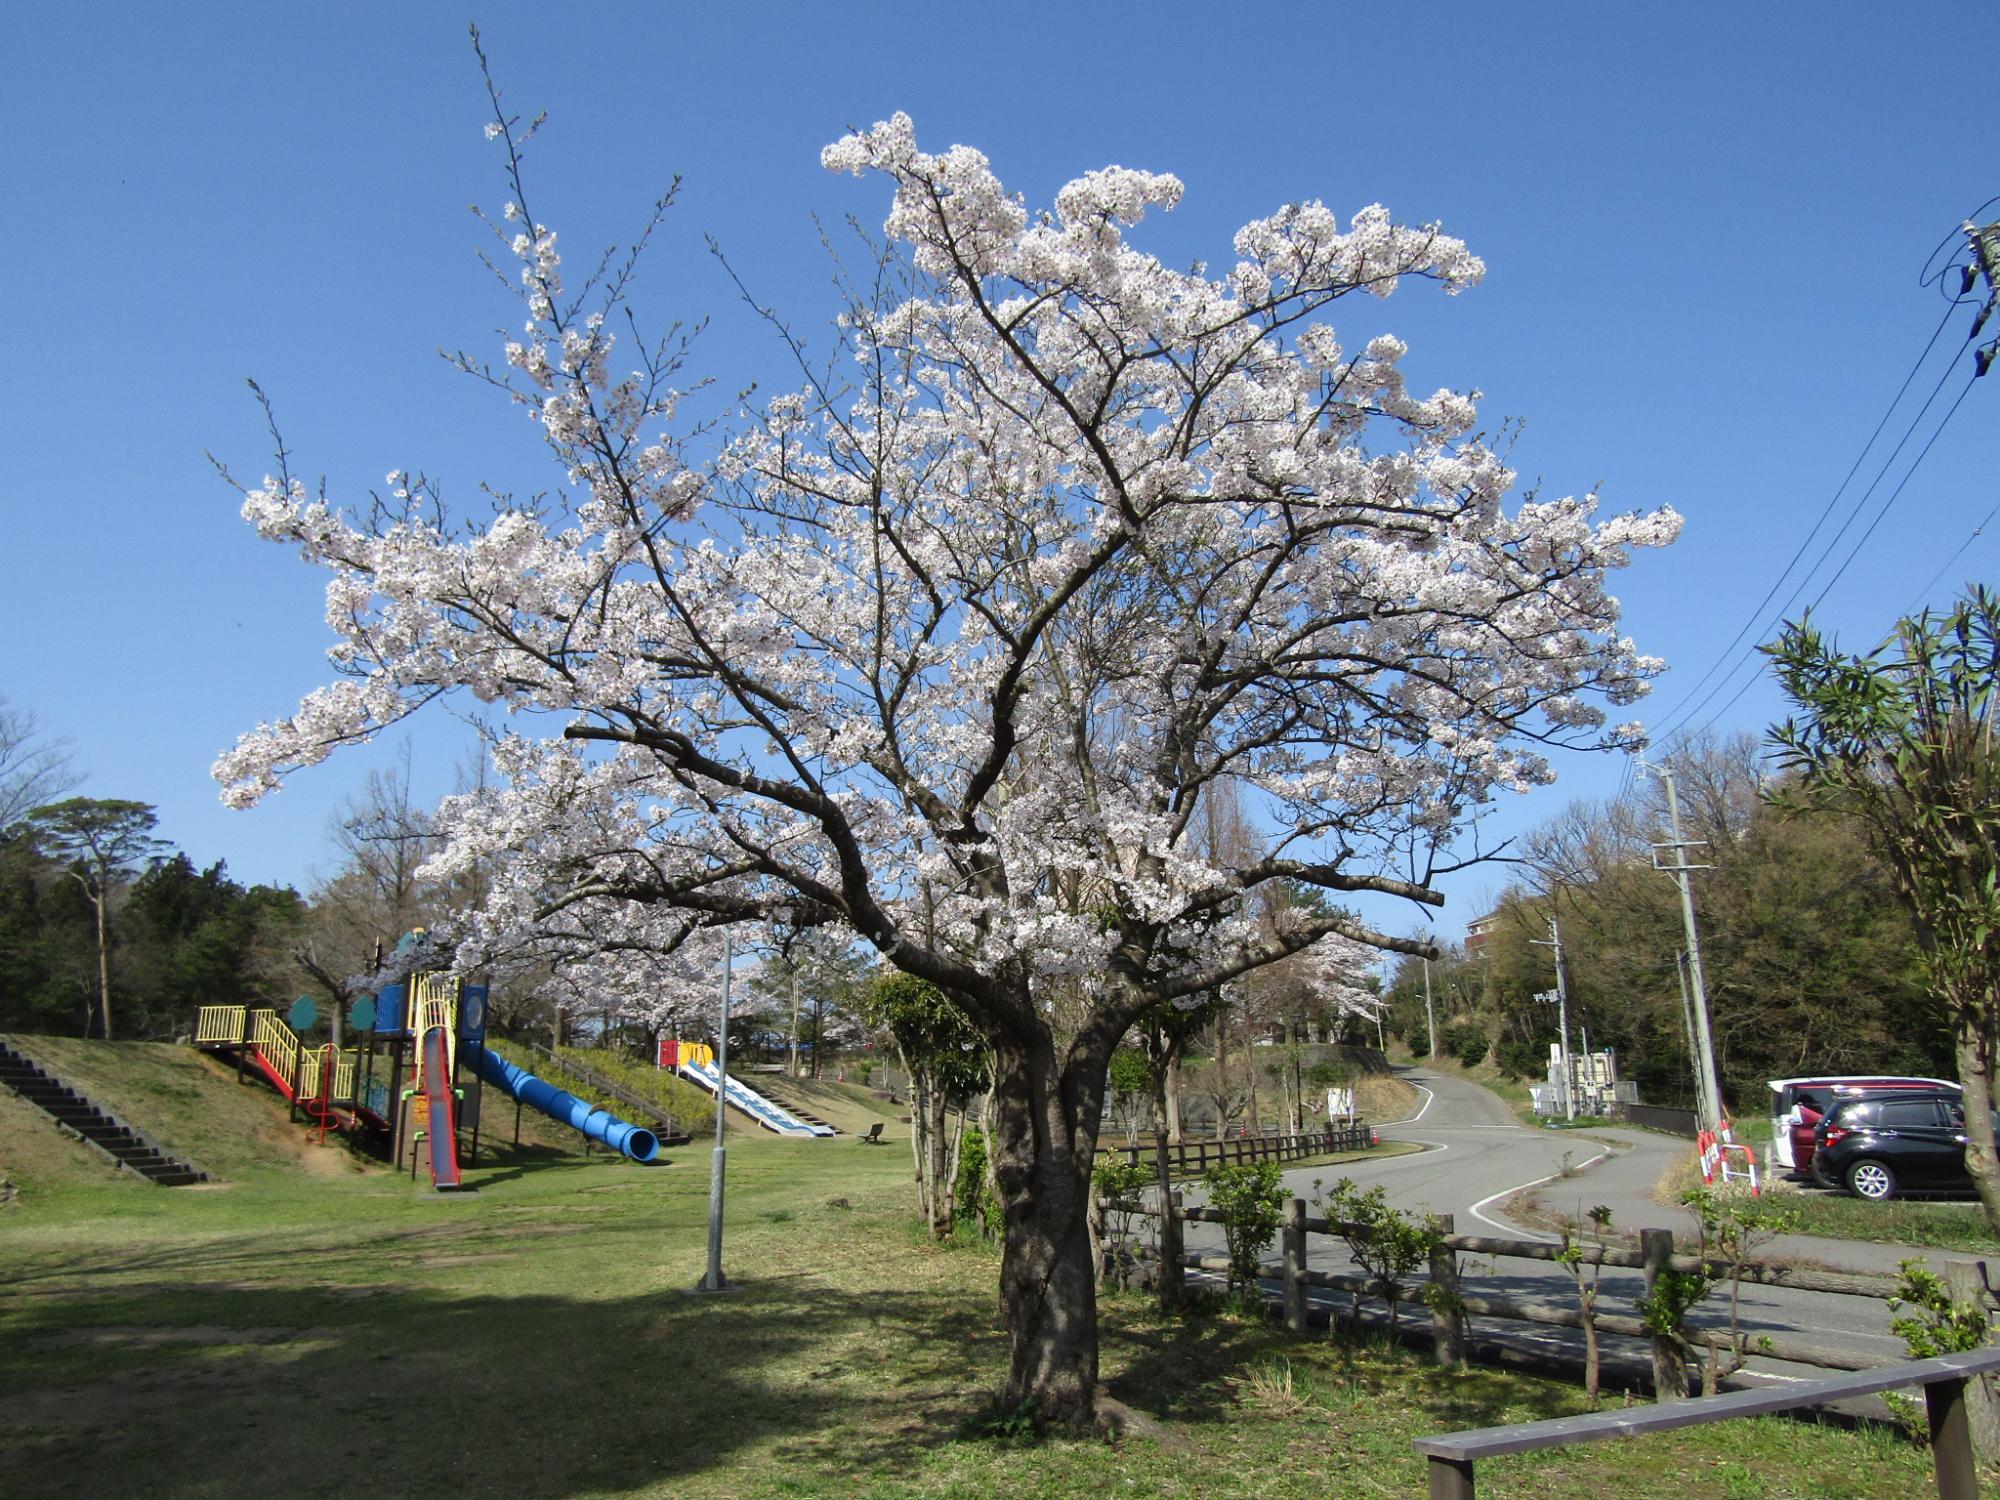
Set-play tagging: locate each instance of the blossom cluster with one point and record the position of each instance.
(956, 655)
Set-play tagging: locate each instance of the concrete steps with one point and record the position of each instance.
(130, 1149)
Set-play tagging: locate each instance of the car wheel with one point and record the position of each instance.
(1872, 1180)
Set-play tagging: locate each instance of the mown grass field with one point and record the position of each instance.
(311, 1332)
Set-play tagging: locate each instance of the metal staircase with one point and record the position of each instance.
(128, 1147)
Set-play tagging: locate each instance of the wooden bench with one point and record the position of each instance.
(1943, 1379)
(874, 1135)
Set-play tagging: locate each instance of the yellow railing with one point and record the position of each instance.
(281, 1050)
(276, 1043)
(219, 1023)
(314, 1084)
(434, 1002)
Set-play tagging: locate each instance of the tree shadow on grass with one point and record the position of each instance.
(299, 1390)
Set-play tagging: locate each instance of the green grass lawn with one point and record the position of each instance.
(306, 1333)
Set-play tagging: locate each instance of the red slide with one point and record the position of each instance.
(442, 1127)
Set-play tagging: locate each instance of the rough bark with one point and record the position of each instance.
(1044, 1115)
(1170, 1279)
(1975, 1077)
(1173, 1099)
(792, 1053)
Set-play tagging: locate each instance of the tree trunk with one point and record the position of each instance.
(1173, 1101)
(1169, 1279)
(1975, 1077)
(1221, 1081)
(1592, 1360)
(792, 1059)
(1044, 1136)
(920, 1125)
(937, 1193)
(103, 961)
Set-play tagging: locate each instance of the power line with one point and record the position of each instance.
(1756, 615)
(1982, 245)
(1977, 532)
(1862, 540)
(1915, 464)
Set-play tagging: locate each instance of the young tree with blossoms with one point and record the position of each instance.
(948, 645)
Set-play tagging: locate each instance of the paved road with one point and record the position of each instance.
(1477, 1155)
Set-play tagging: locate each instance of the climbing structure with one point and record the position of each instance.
(405, 1085)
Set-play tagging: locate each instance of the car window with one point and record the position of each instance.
(1855, 1114)
(1907, 1114)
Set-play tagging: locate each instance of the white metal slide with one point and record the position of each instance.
(741, 1096)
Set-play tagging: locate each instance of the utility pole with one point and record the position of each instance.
(1430, 1015)
(1680, 870)
(1561, 996)
(1985, 243)
(1589, 1072)
(1687, 1020)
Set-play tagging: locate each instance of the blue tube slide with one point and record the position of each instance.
(634, 1141)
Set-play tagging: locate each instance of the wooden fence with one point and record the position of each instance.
(1460, 1300)
(1191, 1158)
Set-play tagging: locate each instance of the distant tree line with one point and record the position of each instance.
(1812, 963)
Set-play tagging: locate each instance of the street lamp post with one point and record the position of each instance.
(714, 1280)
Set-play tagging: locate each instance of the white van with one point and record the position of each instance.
(1793, 1098)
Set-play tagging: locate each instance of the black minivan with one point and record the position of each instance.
(1892, 1143)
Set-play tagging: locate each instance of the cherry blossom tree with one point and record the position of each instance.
(948, 644)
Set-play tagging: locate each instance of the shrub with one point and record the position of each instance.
(1251, 1197)
(971, 1195)
(1386, 1242)
(1466, 1042)
(1522, 1059)
(1330, 1075)
(1120, 1184)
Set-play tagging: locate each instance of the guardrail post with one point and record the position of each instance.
(1294, 1242)
(1447, 1308)
(1173, 1276)
(1670, 1381)
(1968, 1283)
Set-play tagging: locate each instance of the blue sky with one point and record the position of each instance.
(1703, 224)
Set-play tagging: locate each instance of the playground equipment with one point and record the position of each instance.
(600, 1125)
(426, 1035)
(696, 1061)
(433, 1101)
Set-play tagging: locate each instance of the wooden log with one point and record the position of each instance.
(1447, 1304)
(1669, 1363)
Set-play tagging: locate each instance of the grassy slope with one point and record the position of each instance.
(37, 1159)
(846, 1106)
(189, 1103)
(535, 1339)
